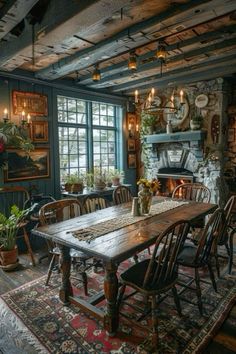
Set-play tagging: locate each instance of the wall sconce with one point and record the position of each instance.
(96, 74)
(132, 63)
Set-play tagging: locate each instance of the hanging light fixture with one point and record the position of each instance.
(161, 53)
(96, 74)
(132, 63)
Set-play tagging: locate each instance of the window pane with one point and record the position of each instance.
(73, 139)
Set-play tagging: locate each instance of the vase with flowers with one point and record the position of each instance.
(148, 188)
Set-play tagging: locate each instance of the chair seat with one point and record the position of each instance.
(188, 255)
(135, 276)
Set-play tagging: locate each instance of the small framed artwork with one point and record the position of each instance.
(39, 131)
(131, 124)
(231, 135)
(35, 104)
(132, 161)
(25, 166)
(131, 144)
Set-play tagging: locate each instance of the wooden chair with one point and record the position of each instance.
(226, 235)
(159, 274)
(94, 202)
(196, 192)
(59, 211)
(121, 194)
(192, 191)
(199, 256)
(16, 195)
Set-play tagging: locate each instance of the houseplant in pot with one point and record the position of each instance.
(148, 123)
(9, 227)
(196, 122)
(116, 177)
(74, 182)
(100, 177)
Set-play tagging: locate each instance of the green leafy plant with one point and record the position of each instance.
(148, 122)
(74, 178)
(9, 227)
(197, 119)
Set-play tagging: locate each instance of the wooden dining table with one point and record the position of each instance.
(112, 247)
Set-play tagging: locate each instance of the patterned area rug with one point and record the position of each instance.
(32, 320)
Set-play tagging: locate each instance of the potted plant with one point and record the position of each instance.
(74, 182)
(100, 177)
(116, 176)
(148, 123)
(9, 227)
(196, 122)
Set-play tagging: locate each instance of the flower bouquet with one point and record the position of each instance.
(146, 193)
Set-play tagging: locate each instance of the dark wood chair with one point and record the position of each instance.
(196, 192)
(192, 191)
(159, 274)
(226, 235)
(121, 194)
(17, 195)
(94, 202)
(57, 211)
(199, 256)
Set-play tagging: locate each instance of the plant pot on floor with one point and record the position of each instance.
(9, 259)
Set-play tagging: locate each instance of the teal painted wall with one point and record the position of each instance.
(51, 185)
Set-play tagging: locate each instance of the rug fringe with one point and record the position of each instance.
(15, 337)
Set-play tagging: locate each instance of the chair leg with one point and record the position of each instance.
(120, 296)
(198, 290)
(231, 249)
(217, 264)
(50, 268)
(26, 238)
(176, 299)
(85, 282)
(154, 322)
(212, 276)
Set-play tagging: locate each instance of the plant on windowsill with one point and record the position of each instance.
(9, 227)
(12, 136)
(74, 182)
(116, 177)
(100, 177)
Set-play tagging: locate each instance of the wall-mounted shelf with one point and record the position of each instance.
(195, 135)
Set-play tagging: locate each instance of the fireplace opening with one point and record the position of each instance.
(171, 178)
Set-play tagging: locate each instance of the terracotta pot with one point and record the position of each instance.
(74, 188)
(116, 181)
(9, 257)
(99, 186)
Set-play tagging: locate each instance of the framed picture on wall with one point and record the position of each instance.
(39, 131)
(35, 104)
(132, 163)
(231, 135)
(131, 144)
(24, 166)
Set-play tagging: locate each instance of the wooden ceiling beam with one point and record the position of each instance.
(12, 13)
(170, 78)
(121, 70)
(191, 13)
(59, 23)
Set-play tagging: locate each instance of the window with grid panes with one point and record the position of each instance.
(87, 135)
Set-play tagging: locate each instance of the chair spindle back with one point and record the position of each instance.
(59, 210)
(192, 191)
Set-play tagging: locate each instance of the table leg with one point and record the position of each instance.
(111, 320)
(65, 265)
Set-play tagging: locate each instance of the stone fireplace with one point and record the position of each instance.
(178, 158)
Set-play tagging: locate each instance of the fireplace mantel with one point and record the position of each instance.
(195, 135)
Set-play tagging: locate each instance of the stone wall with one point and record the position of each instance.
(207, 162)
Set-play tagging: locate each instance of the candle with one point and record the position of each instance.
(181, 96)
(152, 93)
(129, 126)
(23, 116)
(136, 96)
(5, 112)
(28, 118)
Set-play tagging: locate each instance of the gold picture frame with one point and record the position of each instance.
(39, 131)
(32, 103)
(131, 144)
(132, 162)
(26, 166)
